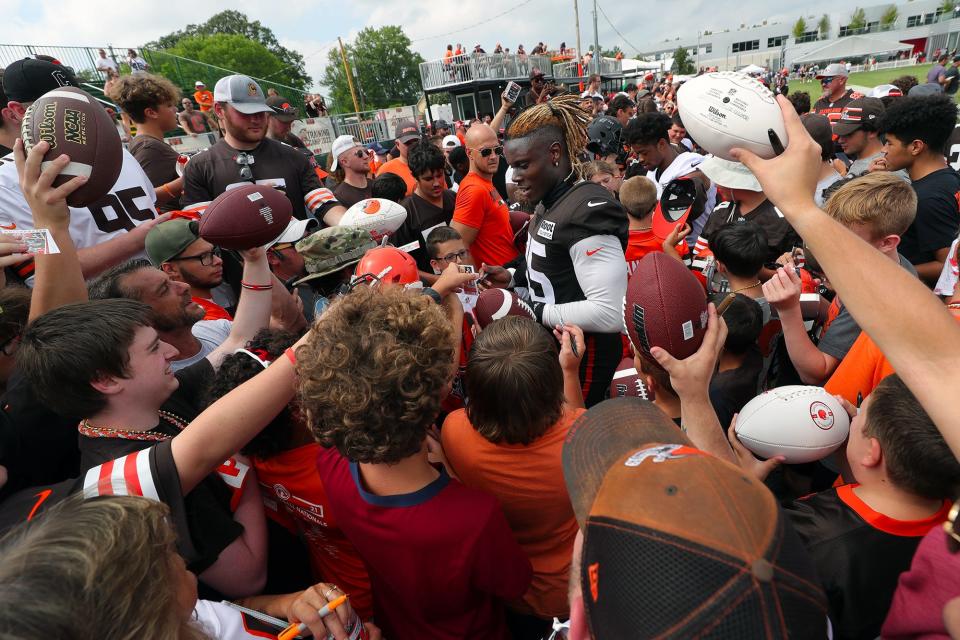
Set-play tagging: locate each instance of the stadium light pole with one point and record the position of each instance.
(576, 21)
(597, 54)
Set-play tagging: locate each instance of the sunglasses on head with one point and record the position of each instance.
(245, 160)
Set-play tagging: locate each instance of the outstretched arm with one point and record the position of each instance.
(232, 421)
(916, 333)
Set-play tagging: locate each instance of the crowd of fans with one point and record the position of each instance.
(203, 443)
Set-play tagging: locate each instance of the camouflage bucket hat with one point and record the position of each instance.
(332, 249)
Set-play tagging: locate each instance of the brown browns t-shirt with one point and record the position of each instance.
(159, 162)
(349, 195)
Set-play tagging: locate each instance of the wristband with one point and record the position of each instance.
(433, 294)
(291, 355)
(166, 189)
(256, 287)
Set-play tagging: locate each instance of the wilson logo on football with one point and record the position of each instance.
(822, 415)
(372, 206)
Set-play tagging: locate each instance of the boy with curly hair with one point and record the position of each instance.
(372, 377)
(915, 130)
(151, 102)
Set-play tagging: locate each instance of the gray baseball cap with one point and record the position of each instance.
(242, 93)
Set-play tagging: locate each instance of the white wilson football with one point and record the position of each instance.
(728, 109)
(378, 216)
(801, 423)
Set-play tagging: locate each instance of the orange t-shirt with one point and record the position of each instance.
(402, 169)
(862, 369)
(293, 496)
(480, 206)
(213, 310)
(640, 243)
(528, 482)
(204, 99)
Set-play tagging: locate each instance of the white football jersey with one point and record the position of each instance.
(129, 204)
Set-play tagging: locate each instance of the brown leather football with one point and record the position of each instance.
(247, 216)
(74, 123)
(665, 307)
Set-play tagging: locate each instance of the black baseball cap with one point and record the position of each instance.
(858, 113)
(28, 79)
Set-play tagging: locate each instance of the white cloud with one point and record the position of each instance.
(306, 27)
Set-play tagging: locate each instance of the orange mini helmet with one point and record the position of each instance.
(387, 264)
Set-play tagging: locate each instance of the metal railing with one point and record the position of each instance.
(843, 32)
(572, 69)
(436, 74)
(183, 72)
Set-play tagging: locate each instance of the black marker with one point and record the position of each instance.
(775, 142)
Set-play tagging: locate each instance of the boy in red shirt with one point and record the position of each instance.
(441, 556)
(638, 195)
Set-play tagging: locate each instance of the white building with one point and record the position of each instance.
(919, 24)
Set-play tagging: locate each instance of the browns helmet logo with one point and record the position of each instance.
(661, 454)
(372, 206)
(822, 415)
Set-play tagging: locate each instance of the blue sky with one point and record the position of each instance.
(312, 28)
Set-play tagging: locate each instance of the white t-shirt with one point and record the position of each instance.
(129, 204)
(105, 64)
(211, 334)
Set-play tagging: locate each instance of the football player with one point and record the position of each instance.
(574, 264)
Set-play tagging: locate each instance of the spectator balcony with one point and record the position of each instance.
(609, 67)
(483, 67)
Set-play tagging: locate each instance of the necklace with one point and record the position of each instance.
(91, 431)
(755, 284)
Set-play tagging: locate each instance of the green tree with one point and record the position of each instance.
(233, 52)
(385, 68)
(890, 15)
(799, 28)
(823, 26)
(858, 19)
(682, 64)
(292, 70)
(611, 53)
(947, 7)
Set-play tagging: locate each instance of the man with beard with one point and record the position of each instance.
(245, 155)
(354, 159)
(575, 266)
(176, 248)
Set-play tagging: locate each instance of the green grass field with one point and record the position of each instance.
(867, 79)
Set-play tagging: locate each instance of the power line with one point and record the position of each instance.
(604, 14)
(490, 19)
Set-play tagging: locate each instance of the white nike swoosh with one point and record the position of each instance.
(591, 203)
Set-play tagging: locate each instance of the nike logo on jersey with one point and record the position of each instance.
(591, 203)
(9, 227)
(593, 251)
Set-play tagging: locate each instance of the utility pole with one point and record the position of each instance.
(597, 55)
(576, 20)
(698, 52)
(346, 68)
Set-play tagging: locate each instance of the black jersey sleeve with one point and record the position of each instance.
(590, 210)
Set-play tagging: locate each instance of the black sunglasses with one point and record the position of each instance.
(486, 152)
(245, 160)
